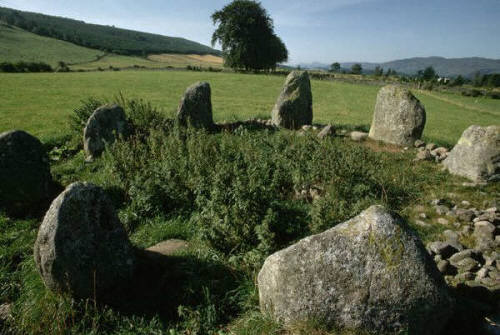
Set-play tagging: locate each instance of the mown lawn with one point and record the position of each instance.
(41, 103)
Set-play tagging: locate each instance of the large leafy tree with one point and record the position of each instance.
(246, 33)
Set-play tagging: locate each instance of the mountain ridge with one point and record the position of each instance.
(446, 67)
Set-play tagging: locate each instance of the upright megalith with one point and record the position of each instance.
(24, 172)
(195, 107)
(369, 273)
(294, 106)
(103, 127)
(399, 117)
(476, 155)
(82, 248)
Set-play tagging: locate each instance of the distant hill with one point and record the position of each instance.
(105, 38)
(19, 45)
(446, 67)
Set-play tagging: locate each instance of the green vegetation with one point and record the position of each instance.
(19, 45)
(41, 103)
(246, 34)
(105, 38)
(236, 197)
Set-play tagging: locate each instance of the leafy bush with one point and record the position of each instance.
(25, 67)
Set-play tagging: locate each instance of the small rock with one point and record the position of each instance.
(465, 203)
(328, 131)
(431, 146)
(464, 276)
(442, 210)
(466, 265)
(438, 202)
(440, 152)
(358, 136)
(423, 156)
(419, 144)
(459, 256)
(5, 313)
(482, 273)
(169, 247)
(466, 230)
(464, 215)
(306, 127)
(441, 248)
(443, 221)
(443, 266)
(423, 216)
(422, 224)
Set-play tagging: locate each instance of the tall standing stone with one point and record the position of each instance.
(195, 107)
(24, 172)
(476, 155)
(103, 127)
(369, 273)
(82, 248)
(294, 106)
(399, 117)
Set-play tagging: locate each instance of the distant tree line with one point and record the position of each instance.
(25, 67)
(105, 38)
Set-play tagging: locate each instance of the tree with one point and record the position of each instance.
(378, 71)
(429, 74)
(335, 67)
(356, 69)
(459, 81)
(246, 34)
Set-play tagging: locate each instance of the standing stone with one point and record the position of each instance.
(399, 117)
(195, 107)
(294, 106)
(104, 126)
(24, 172)
(476, 155)
(82, 248)
(369, 273)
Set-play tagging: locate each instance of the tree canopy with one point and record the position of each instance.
(357, 69)
(246, 34)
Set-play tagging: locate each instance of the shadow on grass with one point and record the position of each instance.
(164, 283)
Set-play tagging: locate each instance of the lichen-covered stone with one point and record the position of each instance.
(476, 155)
(24, 172)
(82, 248)
(369, 273)
(399, 117)
(293, 109)
(195, 107)
(103, 127)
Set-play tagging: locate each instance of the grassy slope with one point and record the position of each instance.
(152, 62)
(19, 45)
(40, 103)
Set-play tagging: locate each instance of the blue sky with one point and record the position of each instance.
(314, 30)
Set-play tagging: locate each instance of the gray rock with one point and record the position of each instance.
(444, 267)
(293, 108)
(419, 144)
(169, 247)
(431, 146)
(443, 221)
(368, 273)
(464, 276)
(24, 172)
(466, 265)
(452, 238)
(441, 248)
(82, 247)
(484, 233)
(442, 210)
(438, 202)
(464, 215)
(328, 131)
(103, 127)
(423, 156)
(399, 117)
(5, 313)
(358, 136)
(460, 256)
(195, 107)
(477, 154)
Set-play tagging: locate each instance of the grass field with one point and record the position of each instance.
(41, 103)
(19, 45)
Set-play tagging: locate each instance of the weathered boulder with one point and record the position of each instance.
(103, 127)
(369, 273)
(82, 247)
(476, 155)
(399, 117)
(294, 106)
(195, 107)
(24, 172)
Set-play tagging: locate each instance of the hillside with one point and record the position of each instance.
(446, 67)
(19, 45)
(106, 38)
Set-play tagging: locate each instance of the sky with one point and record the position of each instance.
(323, 31)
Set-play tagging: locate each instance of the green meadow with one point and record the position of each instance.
(41, 103)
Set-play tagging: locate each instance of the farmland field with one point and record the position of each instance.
(41, 103)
